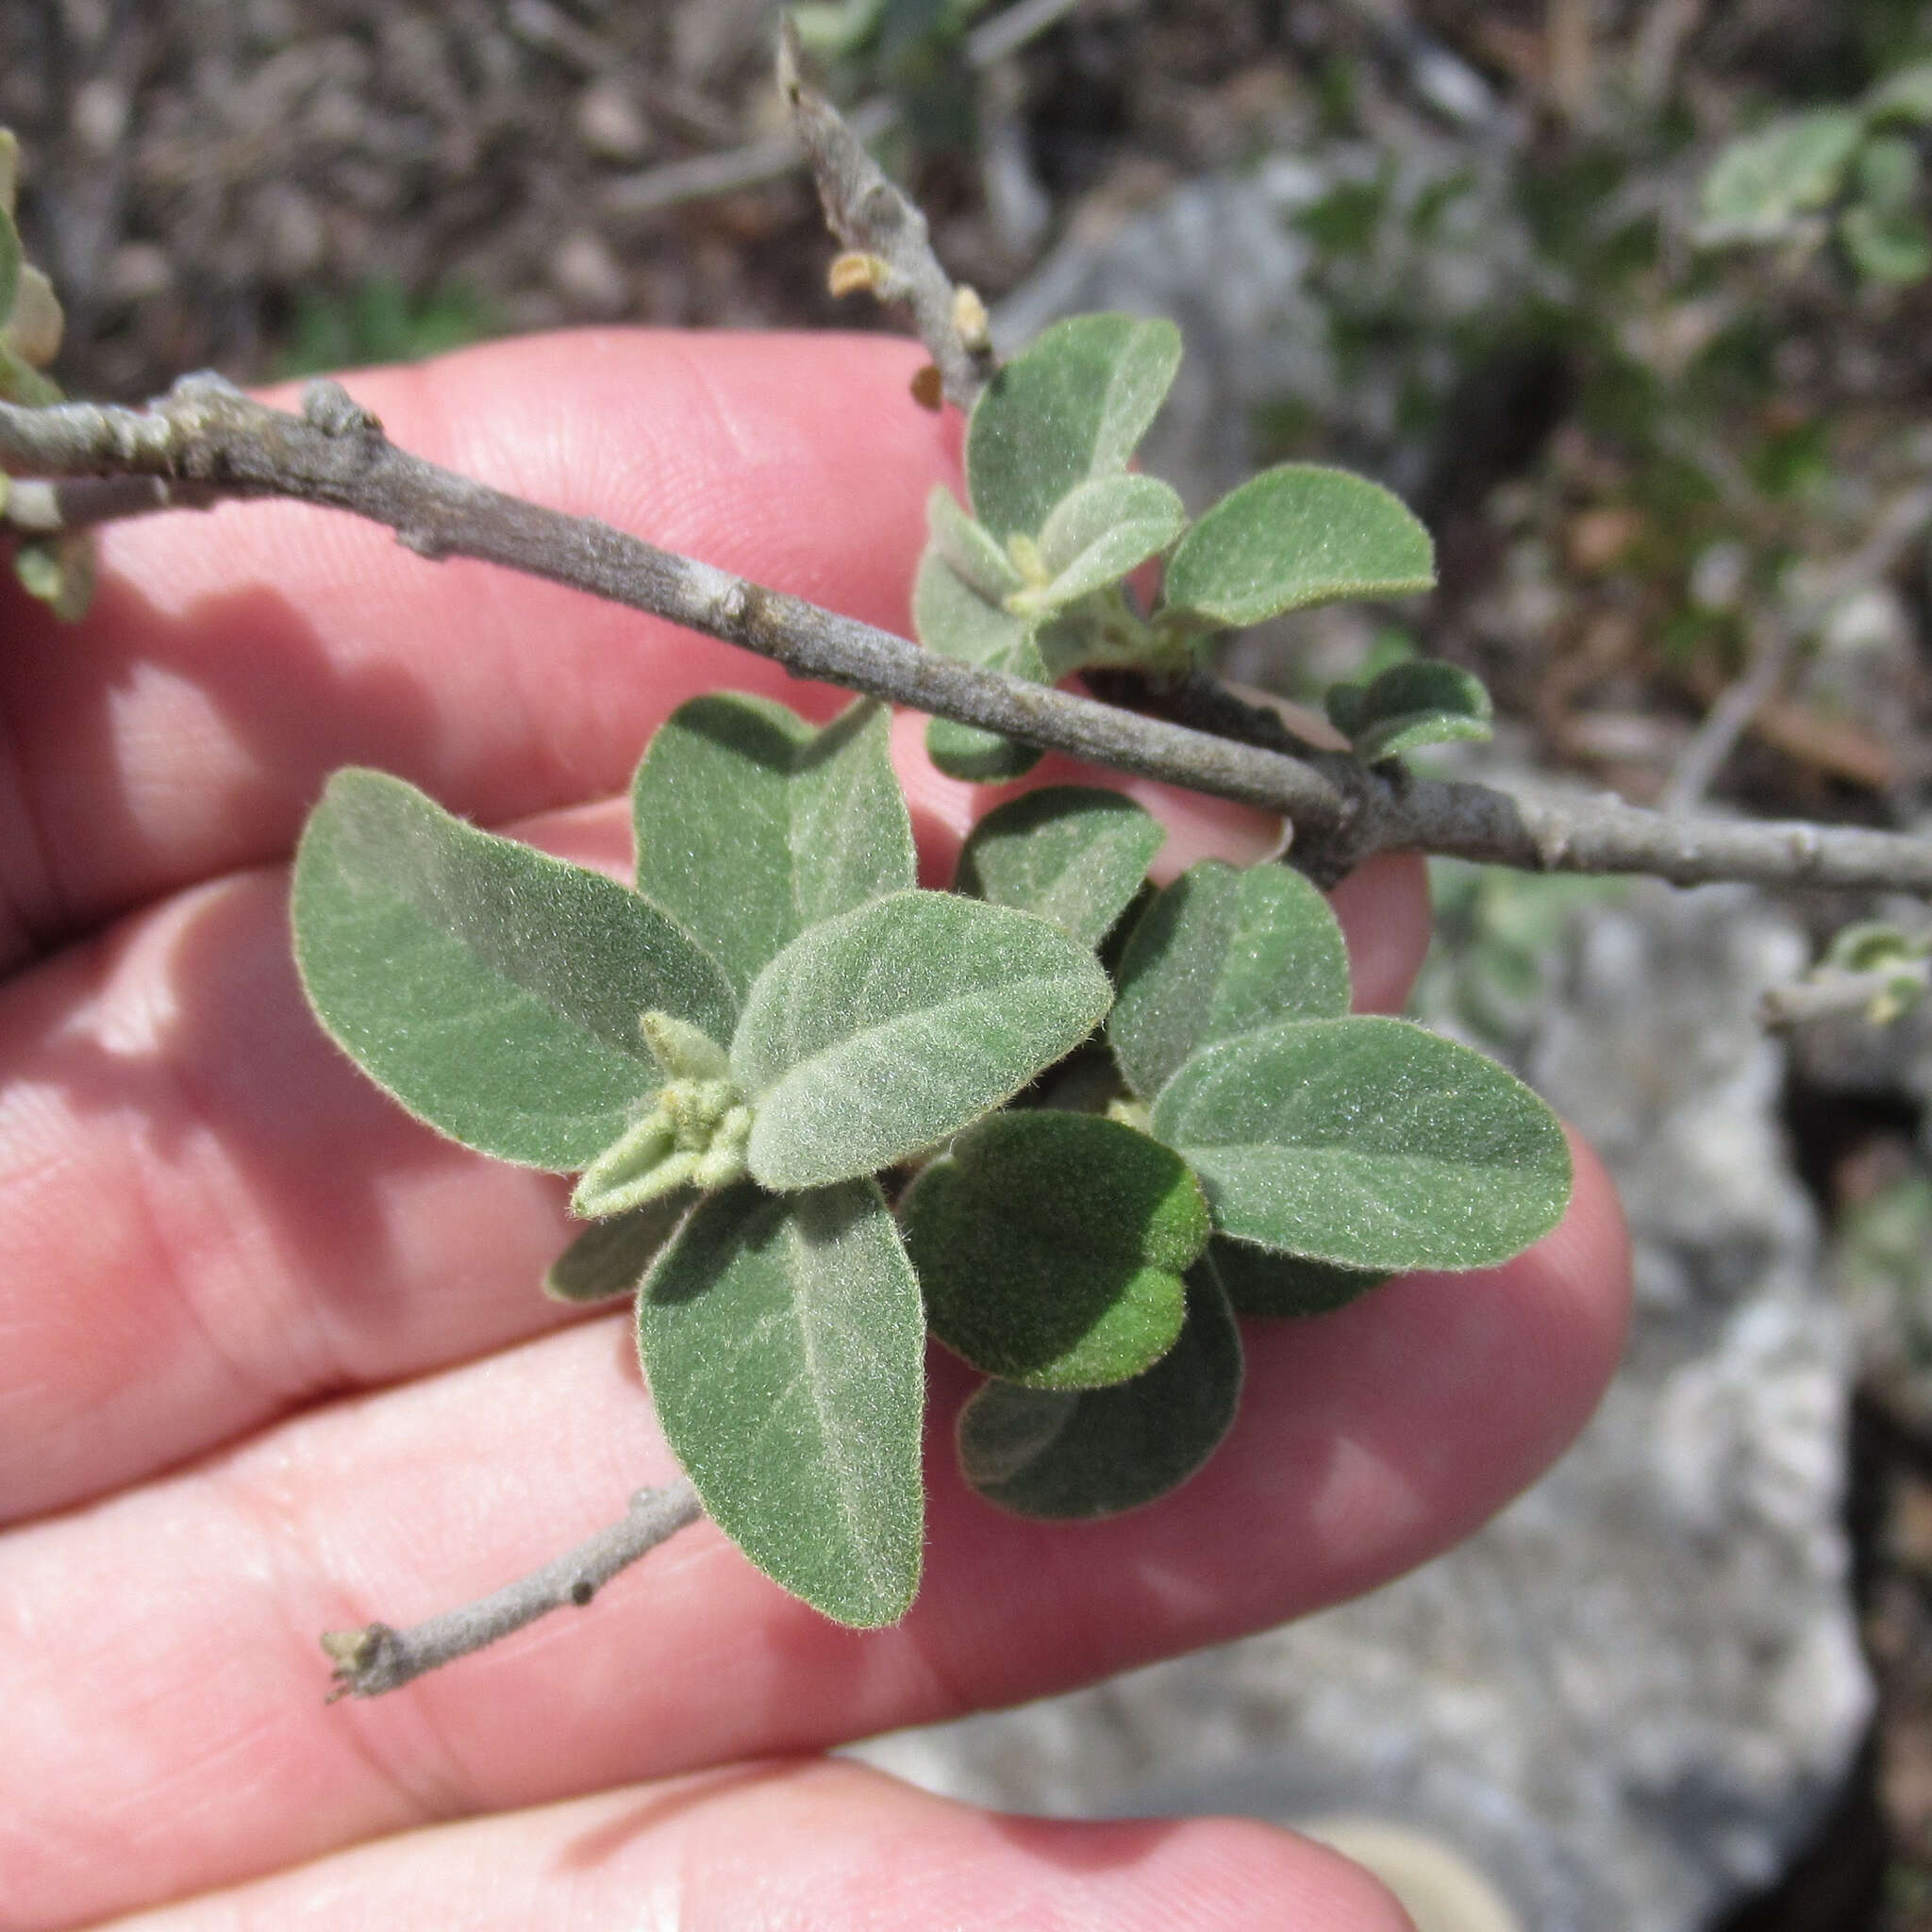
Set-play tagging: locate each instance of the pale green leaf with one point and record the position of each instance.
(1071, 404)
(1367, 1142)
(1296, 535)
(1887, 245)
(784, 1344)
(1067, 1454)
(1260, 1282)
(1905, 95)
(10, 235)
(493, 991)
(1887, 173)
(881, 1033)
(59, 569)
(1050, 1247)
(969, 548)
(1762, 182)
(952, 618)
(1072, 854)
(753, 824)
(990, 757)
(1096, 535)
(609, 1257)
(1220, 953)
(34, 322)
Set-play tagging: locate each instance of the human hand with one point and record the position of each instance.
(274, 1361)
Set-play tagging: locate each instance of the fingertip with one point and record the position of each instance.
(1384, 909)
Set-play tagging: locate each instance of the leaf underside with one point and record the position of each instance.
(1071, 1455)
(1263, 1283)
(493, 991)
(784, 1343)
(609, 1257)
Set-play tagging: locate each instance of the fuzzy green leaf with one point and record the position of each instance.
(1905, 95)
(785, 1348)
(753, 824)
(1367, 1142)
(1887, 245)
(1071, 406)
(1219, 953)
(953, 618)
(9, 241)
(1067, 1454)
(1050, 1247)
(493, 991)
(976, 757)
(1260, 1282)
(609, 1257)
(1293, 536)
(1096, 535)
(969, 548)
(1761, 183)
(881, 1033)
(1072, 854)
(1419, 702)
(59, 569)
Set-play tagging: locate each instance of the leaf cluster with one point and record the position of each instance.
(1855, 170)
(817, 1112)
(59, 567)
(1034, 577)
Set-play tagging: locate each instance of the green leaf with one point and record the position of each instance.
(1367, 1142)
(1050, 1247)
(953, 618)
(1417, 702)
(1096, 535)
(609, 1257)
(969, 549)
(1293, 536)
(34, 325)
(753, 824)
(1072, 854)
(1067, 1454)
(59, 569)
(493, 991)
(1219, 953)
(1887, 172)
(1071, 406)
(1260, 1282)
(1905, 95)
(1886, 245)
(21, 382)
(785, 1348)
(1760, 184)
(881, 1033)
(976, 757)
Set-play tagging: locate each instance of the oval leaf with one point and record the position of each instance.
(969, 549)
(1260, 1282)
(1071, 406)
(1072, 854)
(1367, 1142)
(976, 757)
(1420, 702)
(1066, 1455)
(493, 991)
(1106, 528)
(879, 1034)
(753, 824)
(1293, 536)
(609, 1257)
(1221, 953)
(952, 618)
(1050, 1248)
(1760, 184)
(785, 1349)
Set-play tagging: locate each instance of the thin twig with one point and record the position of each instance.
(1775, 644)
(380, 1657)
(880, 225)
(1880, 993)
(207, 435)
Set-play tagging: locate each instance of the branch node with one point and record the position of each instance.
(328, 407)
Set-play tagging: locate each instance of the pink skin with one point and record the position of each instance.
(273, 1359)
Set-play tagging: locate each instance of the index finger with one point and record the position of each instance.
(235, 657)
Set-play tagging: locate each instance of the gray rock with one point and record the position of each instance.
(1631, 1698)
